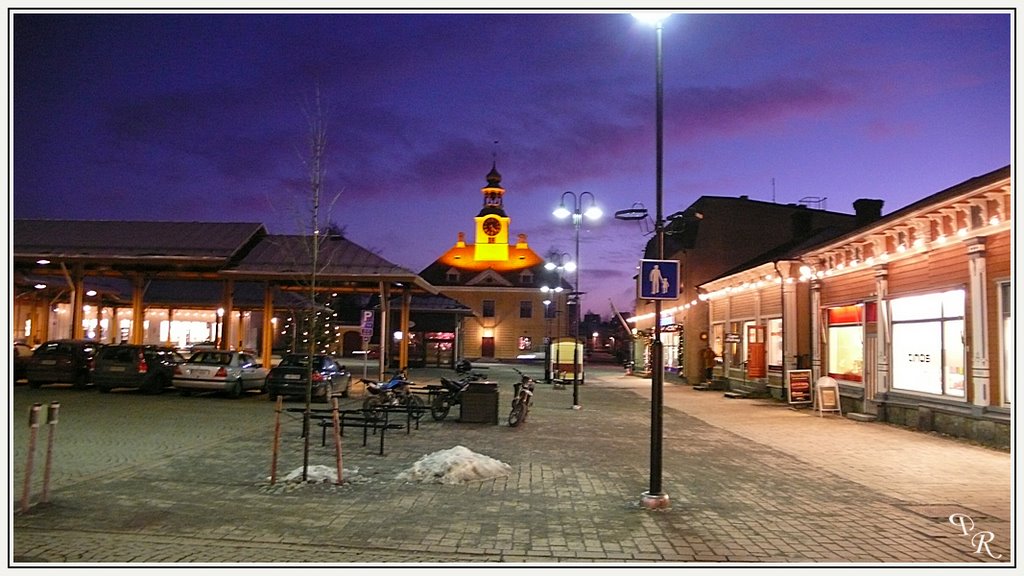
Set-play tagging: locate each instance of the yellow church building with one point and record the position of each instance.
(500, 281)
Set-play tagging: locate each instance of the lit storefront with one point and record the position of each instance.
(910, 314)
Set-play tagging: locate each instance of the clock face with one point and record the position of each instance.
(492, 226)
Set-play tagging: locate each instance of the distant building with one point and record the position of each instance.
(499, 281)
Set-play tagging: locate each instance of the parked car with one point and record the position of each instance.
(149, 368)
(291, 374)
(62, 361)
(20, 358)
(219, 370)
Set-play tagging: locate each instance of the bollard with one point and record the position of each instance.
(277, 440)
(51, 419)
(337, 437)
(33, 428)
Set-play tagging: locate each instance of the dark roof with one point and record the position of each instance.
(432, 303)
(210, 243)
(338, 259)
(789, 251)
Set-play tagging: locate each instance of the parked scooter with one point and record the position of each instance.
(393, 393)
(521, 399)
(451, 390)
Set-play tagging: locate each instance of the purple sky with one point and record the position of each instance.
(202, 117)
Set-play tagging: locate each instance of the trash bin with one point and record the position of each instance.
(480, 403)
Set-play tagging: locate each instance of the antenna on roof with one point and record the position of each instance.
(773, 189)
(494, 153)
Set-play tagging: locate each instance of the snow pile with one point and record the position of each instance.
(318, 473)
(455, 466)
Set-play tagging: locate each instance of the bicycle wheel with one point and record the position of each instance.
(516, 415)
(373, 408)
(440, 406)
(415, 406)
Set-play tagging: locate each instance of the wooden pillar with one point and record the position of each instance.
(883, 329)
(137, 334)
(227, 328)
(76, 282)
(403, 350)
(267, 331)
(977, 298)
(816, 330)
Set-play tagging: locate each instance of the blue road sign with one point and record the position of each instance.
(659, 279)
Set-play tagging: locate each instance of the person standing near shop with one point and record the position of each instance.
(708, 355)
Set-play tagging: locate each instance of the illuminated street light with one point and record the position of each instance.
(654, 497)
(557, 261)
(592, 212)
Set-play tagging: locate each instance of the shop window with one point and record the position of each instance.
(846, 342)
(718, 338)
(488, 309)
(774, 347)
(525, 309)
(928, 352)
(1006, 372)
(745, 344)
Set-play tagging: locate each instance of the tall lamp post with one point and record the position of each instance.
(654, 497)
(581, 208)
(557, 261)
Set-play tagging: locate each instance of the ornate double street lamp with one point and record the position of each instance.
(580, 208)
(654, 497)
(556, 262)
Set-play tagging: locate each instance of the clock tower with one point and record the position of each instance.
(492, 222)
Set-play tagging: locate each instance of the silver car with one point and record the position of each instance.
(219, 371)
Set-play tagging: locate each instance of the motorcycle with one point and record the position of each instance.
(393, 393)
(451, 390)
(522, 397)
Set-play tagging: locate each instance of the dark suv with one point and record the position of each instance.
(62, 361)
(146, 367)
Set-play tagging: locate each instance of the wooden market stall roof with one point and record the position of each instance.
(235, 250)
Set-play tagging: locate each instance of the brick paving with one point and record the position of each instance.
(157, 480)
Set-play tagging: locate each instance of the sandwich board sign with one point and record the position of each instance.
(799, 389)
(827, 396)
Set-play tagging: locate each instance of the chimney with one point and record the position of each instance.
(867, 210)
(800, 222)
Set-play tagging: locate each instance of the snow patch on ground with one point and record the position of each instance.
(319, 473)
(454, 466)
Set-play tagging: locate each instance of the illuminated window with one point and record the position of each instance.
(774, 347)
(718, 338)
(928, 353)
(1005, 305)
(846, 342)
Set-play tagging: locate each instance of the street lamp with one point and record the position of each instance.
(654, 497)
(557, 261)
(592, 212)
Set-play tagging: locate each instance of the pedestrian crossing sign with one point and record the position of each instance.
(658, 280)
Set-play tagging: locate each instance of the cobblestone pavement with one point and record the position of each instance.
(147, 481)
